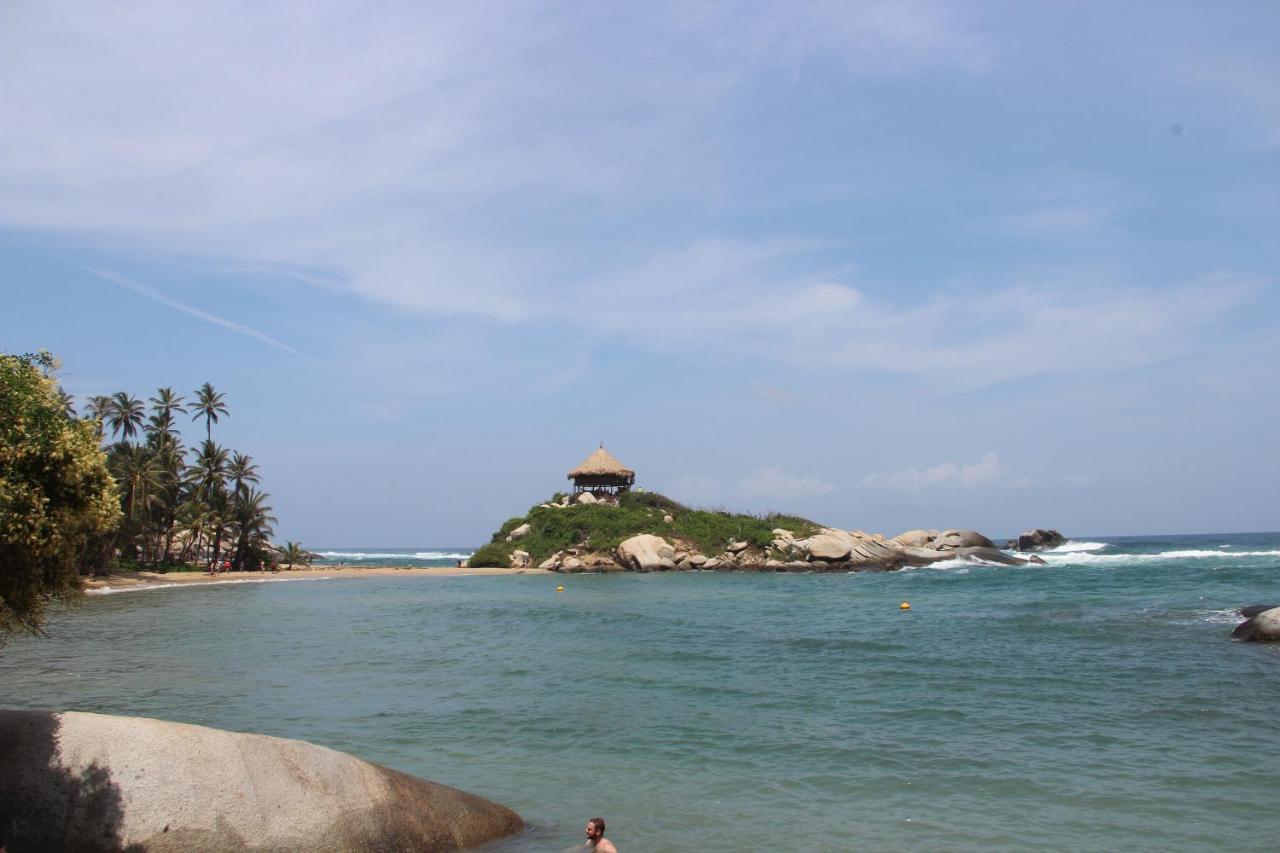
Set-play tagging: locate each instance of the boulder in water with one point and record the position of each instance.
(1036, 540)
(1261, 624)
(91, 782)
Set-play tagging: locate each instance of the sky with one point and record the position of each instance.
(887, 265)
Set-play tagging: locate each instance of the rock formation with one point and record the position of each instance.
(646, 553)
(1036, 540)
(1261, 624)
(89, 782)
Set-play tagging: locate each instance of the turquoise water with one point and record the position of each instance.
(1095, 703)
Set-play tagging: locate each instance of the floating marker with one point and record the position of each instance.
(906, 605)
(559, 589)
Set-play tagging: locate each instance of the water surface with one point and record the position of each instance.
(1095, 703)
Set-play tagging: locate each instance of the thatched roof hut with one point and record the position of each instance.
(601, 472)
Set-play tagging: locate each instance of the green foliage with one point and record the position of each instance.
(493, 555)
(56, 493)
(600, 528)
(292, 553)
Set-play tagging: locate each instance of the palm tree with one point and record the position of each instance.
(68, 402)
(209, 472)
(138, 473)
(170, 455)
(163, 405)
(242, 470)
(218, 515)
(209, 404)
(125, 414)
(208, 477)
(98, 407)
(253, 519)
(292, 553)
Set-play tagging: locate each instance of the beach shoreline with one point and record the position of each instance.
(153, 580)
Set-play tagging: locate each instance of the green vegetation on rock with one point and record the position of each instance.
(601, 527)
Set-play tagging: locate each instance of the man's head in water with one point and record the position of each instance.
(595, 837)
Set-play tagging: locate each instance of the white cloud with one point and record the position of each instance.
(381, 148)
(773, 482)
(985, 471)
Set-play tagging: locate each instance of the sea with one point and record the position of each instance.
(1093, 703)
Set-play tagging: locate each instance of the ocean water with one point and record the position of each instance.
(1096, 703)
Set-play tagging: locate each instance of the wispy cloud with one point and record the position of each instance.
(168, 301)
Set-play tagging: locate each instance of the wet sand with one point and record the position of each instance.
(150, 580)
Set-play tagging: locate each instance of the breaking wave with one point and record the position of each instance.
(397, 555)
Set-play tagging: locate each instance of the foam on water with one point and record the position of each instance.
(1070, 547)
(393, 555)
(1162, 556)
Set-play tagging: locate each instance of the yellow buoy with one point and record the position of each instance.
(906, 605)
(559, 589)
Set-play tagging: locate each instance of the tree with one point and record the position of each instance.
(55, 493)
(241, 471)
(165, 403)
(208, 405)
(253, 520)
(292, 553)
(125, 414)
(68, 403)
(140, 478)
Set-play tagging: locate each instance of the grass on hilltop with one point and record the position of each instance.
(600, 528)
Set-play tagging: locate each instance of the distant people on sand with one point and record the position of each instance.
(595, 837)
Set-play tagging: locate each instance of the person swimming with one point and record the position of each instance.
(595, 837)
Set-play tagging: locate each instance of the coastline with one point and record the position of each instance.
(139, 581)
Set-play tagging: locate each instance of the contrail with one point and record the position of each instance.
(230, 325)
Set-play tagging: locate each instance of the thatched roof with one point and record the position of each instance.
(601, 463)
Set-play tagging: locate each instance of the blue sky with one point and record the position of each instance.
(889, 265)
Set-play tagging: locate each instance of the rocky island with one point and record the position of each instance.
(606, 526)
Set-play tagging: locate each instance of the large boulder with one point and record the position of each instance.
(90, 782)
(586, 498)
(645, 553)
(830, 545)
(519, 533)
(1037, 540)
(916, 538)
(950, 540)
(1261, 624)
(520, 559)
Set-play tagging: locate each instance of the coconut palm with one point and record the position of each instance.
(138, 474)
(99, 406)
(219, 513)
(165, 403)
(68, 402)
(252, 519)
(241, 471)
(292, 553)
(125, 414)
(208, 473)
(208, 405)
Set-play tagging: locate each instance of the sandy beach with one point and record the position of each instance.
(150, 580)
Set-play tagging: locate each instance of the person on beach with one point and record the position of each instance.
(595, 837)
